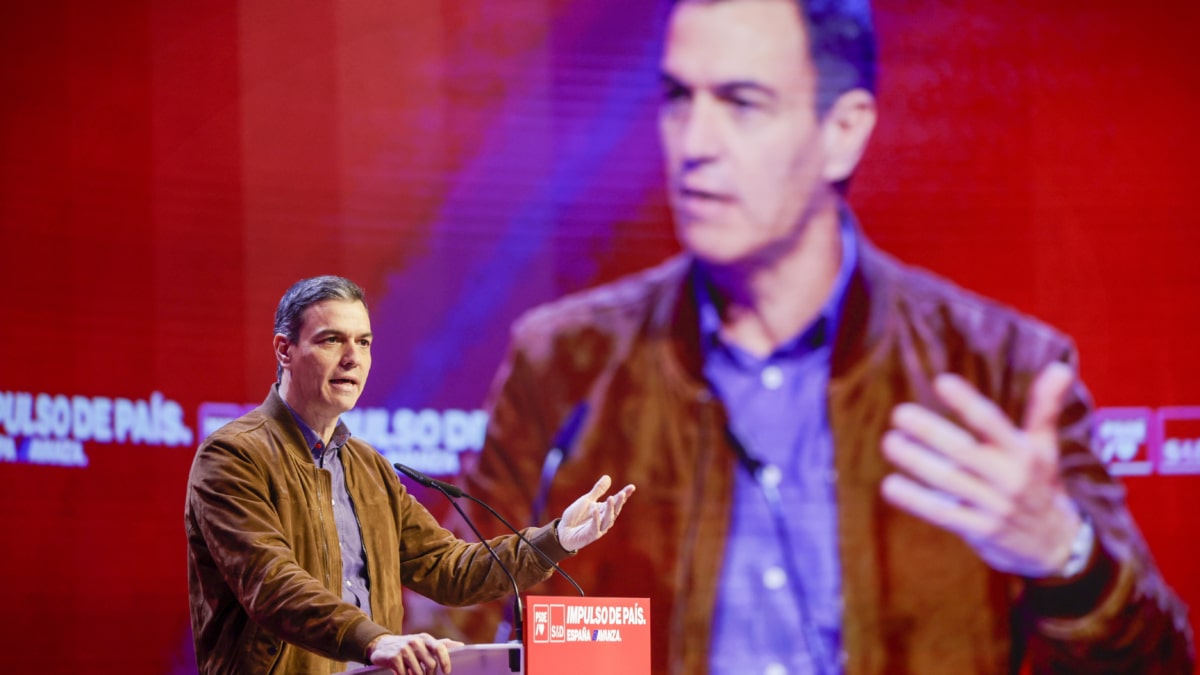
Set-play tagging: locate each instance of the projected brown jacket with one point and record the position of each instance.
(264, 567)
(917, 599)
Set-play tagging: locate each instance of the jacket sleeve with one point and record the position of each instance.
(1118, 614)
(231, 503)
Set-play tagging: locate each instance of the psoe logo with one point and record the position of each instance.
(549, 623)
(1125, 439)
(1179, 452)
(541, 623)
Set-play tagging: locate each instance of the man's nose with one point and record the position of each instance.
(700, 139)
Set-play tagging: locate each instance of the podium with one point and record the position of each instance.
(563, 634)
(586, 635)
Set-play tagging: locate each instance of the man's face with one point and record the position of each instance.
(743, 146)
(328, 363)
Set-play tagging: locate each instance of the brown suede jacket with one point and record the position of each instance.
(264, 568)
(917, 599)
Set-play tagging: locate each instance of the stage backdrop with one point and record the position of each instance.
(167, 169)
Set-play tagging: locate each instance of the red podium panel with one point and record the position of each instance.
(586, 636)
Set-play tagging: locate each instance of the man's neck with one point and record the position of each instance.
(766, 302)
(323, 428)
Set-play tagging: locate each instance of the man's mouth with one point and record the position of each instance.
(696, 194)
(696, 204)
(343, 382)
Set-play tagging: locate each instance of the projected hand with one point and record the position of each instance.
(588, 518)
(995, 485)
(416, 654)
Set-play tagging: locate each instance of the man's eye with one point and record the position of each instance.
(742, 104)
(673, 93)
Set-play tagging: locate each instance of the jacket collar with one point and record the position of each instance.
(864, 317)
(279, 413)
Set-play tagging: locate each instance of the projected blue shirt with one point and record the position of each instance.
(777, 409)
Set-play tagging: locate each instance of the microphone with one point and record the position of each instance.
(447, 489)
(433, 483)
(559, 447)
(453, 491)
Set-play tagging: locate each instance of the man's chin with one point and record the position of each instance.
(719, 251)
(344, 401)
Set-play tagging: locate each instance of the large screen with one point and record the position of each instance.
(167, 169)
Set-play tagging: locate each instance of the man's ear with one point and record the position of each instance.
(283, 350)
(845, 130)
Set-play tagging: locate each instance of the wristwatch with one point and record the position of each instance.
(1081, 548)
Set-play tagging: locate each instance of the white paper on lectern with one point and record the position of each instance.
(480, 659)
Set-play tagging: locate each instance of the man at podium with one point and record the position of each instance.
(848, 465)
(301, 537)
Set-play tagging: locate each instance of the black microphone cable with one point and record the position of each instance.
(767, 479)
(445, 489)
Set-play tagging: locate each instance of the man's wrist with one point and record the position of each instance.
(1067, 597)
(371, 646)
(557, 529)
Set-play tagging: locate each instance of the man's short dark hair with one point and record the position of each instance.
(841, 37)
(306, 293)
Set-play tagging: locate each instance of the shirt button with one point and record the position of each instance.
(775, 669)
(770, 475)
(774, 578)
(772, 377)
(348, 584)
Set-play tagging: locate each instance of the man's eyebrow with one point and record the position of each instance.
(332, 332)
(668, 80)
(728, 88)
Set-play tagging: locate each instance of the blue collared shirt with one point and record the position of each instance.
(777, 409)
(355, 585)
